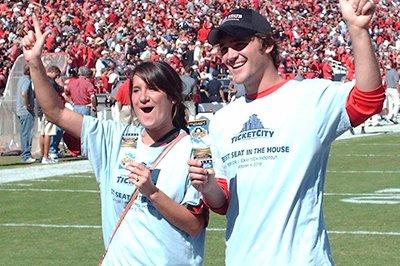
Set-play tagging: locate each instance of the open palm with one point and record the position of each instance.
(33, 42)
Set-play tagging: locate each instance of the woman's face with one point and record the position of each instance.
(152, 106)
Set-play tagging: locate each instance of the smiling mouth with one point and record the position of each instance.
(238, 65)
(147, 109)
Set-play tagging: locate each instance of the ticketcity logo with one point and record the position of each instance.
(252, 129)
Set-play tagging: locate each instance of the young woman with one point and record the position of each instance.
(165, 224)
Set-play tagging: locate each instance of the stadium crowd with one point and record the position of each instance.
(112, 36)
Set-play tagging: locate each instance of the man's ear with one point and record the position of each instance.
(269, 49)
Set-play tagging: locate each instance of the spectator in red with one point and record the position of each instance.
(15, 51)
(203, 33)
(80, 92)
(327, 72)
(123, 101)
(112, 18)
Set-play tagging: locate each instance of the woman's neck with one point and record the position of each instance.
(159, 137)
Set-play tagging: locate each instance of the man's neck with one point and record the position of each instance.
(268, 80)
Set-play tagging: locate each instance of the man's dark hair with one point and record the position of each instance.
(188, 69)
(267, 41)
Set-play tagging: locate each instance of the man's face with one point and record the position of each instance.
(245, 59)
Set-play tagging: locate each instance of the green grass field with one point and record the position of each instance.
(56, 221)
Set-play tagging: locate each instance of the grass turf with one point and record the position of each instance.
(357, 168)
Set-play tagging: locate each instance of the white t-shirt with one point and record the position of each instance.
(274, 152)
(144, 237)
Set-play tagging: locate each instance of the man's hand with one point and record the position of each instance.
(215, 196)
(357, 13)
(202, 179)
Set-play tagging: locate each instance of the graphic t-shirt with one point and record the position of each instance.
(274, 153)
(109, 146)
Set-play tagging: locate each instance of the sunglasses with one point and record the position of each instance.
(235, 44)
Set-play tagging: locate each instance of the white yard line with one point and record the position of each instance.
(361, 194)
(339, 232)
(378, 193)
(49, 190)
(368, 155)
(380, 144)
(52, 225)
(89, 175)
(78, 226)
(364, 171)
(365, 233)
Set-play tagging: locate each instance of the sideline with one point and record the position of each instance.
(370, 131)
(38, 171)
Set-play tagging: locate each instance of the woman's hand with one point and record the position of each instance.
(140, 176)
(33, 42)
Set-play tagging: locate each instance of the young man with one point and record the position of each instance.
(272, 146)
(214, 89)
(54, 74)
(48, 130)
(189, 90)
(25, 105)
(392, 92)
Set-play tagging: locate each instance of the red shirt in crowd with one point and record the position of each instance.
(202, 34)
(79, 90)
(327, 72)
(4, 9)
(112, 18)
(106, 87)
(122, 94)
(50, 41)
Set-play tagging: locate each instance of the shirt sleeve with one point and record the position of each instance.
(99, 140)
(91, 88)
(195, 204)
(25, 86)
(362, 105)
(201, 209)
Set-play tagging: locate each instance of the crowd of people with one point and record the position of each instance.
(111, 36)
(103, 41)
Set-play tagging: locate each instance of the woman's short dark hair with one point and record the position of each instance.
(162, 76)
